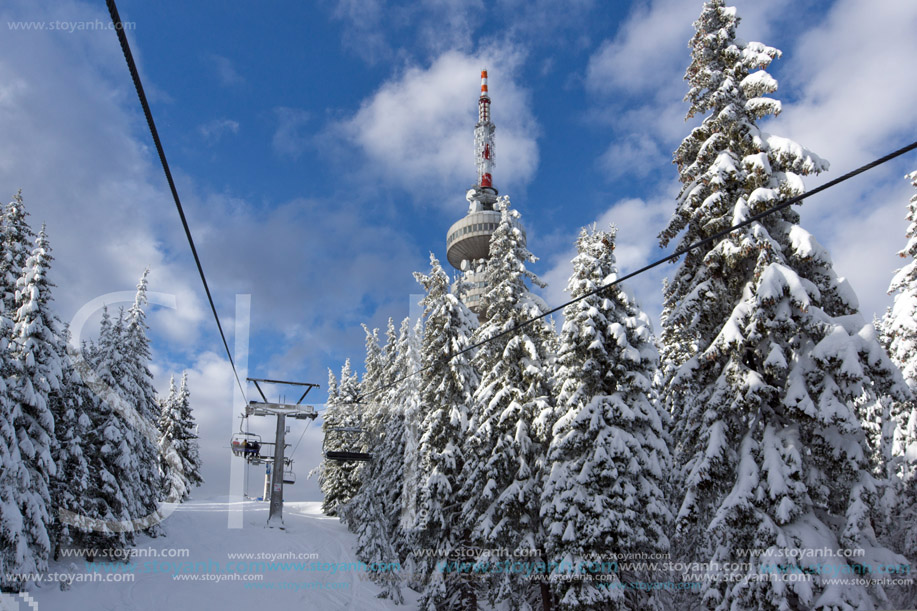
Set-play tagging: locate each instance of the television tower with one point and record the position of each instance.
(468, 240)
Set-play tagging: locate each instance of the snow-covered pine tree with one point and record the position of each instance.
(376, 512)
(339, 482)
(177, 435)
(899, 334)
(377, 369)
(389, 356)
(15, 555)
(769, 371)
(607, 458)
(17, 240)
(327, 471)
(138, 390)
(186, 437)
(71, 503)
(448, 383)
(162, 426)
(380, 370)
(109, 447)
(36, 353)
(31, 368)
(505, 449)
(407, 397)
(104, 446)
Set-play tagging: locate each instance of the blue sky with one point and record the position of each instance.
(322, 150)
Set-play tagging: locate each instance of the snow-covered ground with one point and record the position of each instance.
(308, 565)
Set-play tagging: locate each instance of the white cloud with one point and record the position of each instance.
(364, 33)
(213, 130)
(377, 30)
(649, 50)
(449, 24)
(417, 129)
(857, 91)
(635, 80)
(634, 155)
(865, 248)
(225, 70)
(290, 138)
(544, 21)
(380, 30)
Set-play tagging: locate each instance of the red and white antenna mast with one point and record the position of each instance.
(484, 140)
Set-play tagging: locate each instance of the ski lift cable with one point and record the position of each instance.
(308, 424)
(672, 257)
(135, 76)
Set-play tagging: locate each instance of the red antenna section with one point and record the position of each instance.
(484, 138)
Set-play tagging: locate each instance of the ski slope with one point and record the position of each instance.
(325, 575)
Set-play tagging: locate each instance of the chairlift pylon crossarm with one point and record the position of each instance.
(290, 410)
(309, 386)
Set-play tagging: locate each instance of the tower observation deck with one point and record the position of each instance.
(468, 240)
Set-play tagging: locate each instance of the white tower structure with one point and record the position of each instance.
(468, 240)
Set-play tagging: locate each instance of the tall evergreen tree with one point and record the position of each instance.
(375, 365)
(31, 369)
(106, 449)
(339, 482)
(447, 390)
(769, 373)
(376, 511)
(17, 241)
(124, 437)
(139, 392)
(186, 435)
(361, 515)
(70, 488)
(178, 446)
(166, 452)
(607, 457)
(508, 435)
(15, 555)
(407, 395)
(899, 334)
(36, 352)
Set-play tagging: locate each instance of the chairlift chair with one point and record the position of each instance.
(352, 438)
(246, 444)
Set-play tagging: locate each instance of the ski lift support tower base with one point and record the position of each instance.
(281, 411)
